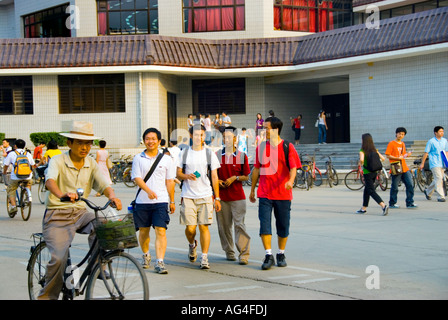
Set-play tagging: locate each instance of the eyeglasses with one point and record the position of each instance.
(83, 143)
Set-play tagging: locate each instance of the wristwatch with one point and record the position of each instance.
(219, 199)
(237, 178)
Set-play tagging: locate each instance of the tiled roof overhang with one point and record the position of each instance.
(419, 29)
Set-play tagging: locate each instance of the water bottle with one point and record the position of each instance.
(112, 214)
(130, 209)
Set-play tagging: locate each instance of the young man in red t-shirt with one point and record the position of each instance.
(275, 189)
(234, 169)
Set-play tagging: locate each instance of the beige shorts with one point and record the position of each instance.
(196, 211)
(14, 184)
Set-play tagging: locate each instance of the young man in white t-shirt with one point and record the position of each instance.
(197, 192)
(155, 199)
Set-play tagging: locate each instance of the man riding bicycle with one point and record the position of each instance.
(15, 180)
(66, 173)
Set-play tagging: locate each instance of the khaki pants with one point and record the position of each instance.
(59, 228)
(232, 214)
(437, 183)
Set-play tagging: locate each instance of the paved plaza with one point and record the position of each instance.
(332, 253)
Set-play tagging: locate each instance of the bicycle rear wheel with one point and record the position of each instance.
(354, 180)
(37, 267)
(127, 279)
(25, 206)
(332, 176)
(41, 191)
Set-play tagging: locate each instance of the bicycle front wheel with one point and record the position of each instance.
(332, 175)
(354, 180)
(127, 178)
(318, 177)
(25, 206)
(37, 267)
(127, 279)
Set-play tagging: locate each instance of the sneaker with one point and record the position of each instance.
(160, 268)
(385, 210)
(361, 211)
(230, 257)
(106, 273)
(412, 206)
(441, 200)
(394, 206)
(146, 261)
(268, 262)
(12, 209)
(204, 263)
(281, 262)
(192, 255)
(428, 197)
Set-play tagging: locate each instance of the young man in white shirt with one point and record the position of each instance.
(197, 192)
(155, 199)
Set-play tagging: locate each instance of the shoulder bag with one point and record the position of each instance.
(148, 175)
(396, 167)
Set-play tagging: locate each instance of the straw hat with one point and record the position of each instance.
(81, 130)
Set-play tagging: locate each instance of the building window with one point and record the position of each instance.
(216, 96)
(213, 15)
(47, 23)
(128, 17)
(16, 95)
(312, 15)
(91, 93)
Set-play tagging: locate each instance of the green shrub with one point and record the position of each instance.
(2, 136)
(46, 137)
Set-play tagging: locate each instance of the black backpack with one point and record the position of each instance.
(373, 162)
(285, 150)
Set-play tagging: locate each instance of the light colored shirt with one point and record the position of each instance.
(11, 159)
(433, 148)
(197, 161)
(165, 170)
(69, 178)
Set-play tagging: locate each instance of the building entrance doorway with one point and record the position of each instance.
(337, 109)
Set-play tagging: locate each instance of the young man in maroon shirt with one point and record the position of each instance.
(234, 169)
(275, 189)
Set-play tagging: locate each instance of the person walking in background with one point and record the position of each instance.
(234, 169)
(157, 199)
(322, 120)
(368, 147)
(38, 152)
(242, 141)
(434, 148)
(276, 164)
(226, 121)
(258, 124)
(208, 129)
(396, 152)
(296, 126)
(101, 158)
(52, 150)
(189, 121)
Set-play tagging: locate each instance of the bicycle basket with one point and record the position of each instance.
(116, 234)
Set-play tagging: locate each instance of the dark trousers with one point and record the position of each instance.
(369, 189)
(407, 180)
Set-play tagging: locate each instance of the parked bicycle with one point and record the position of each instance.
(303, 179)
(312, 169)
(110, 274)
(23, 201)
(331, 173)
(119, 166)
(354, 180)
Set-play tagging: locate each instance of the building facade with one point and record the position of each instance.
(127, 65)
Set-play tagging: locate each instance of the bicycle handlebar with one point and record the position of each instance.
(89, 203)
